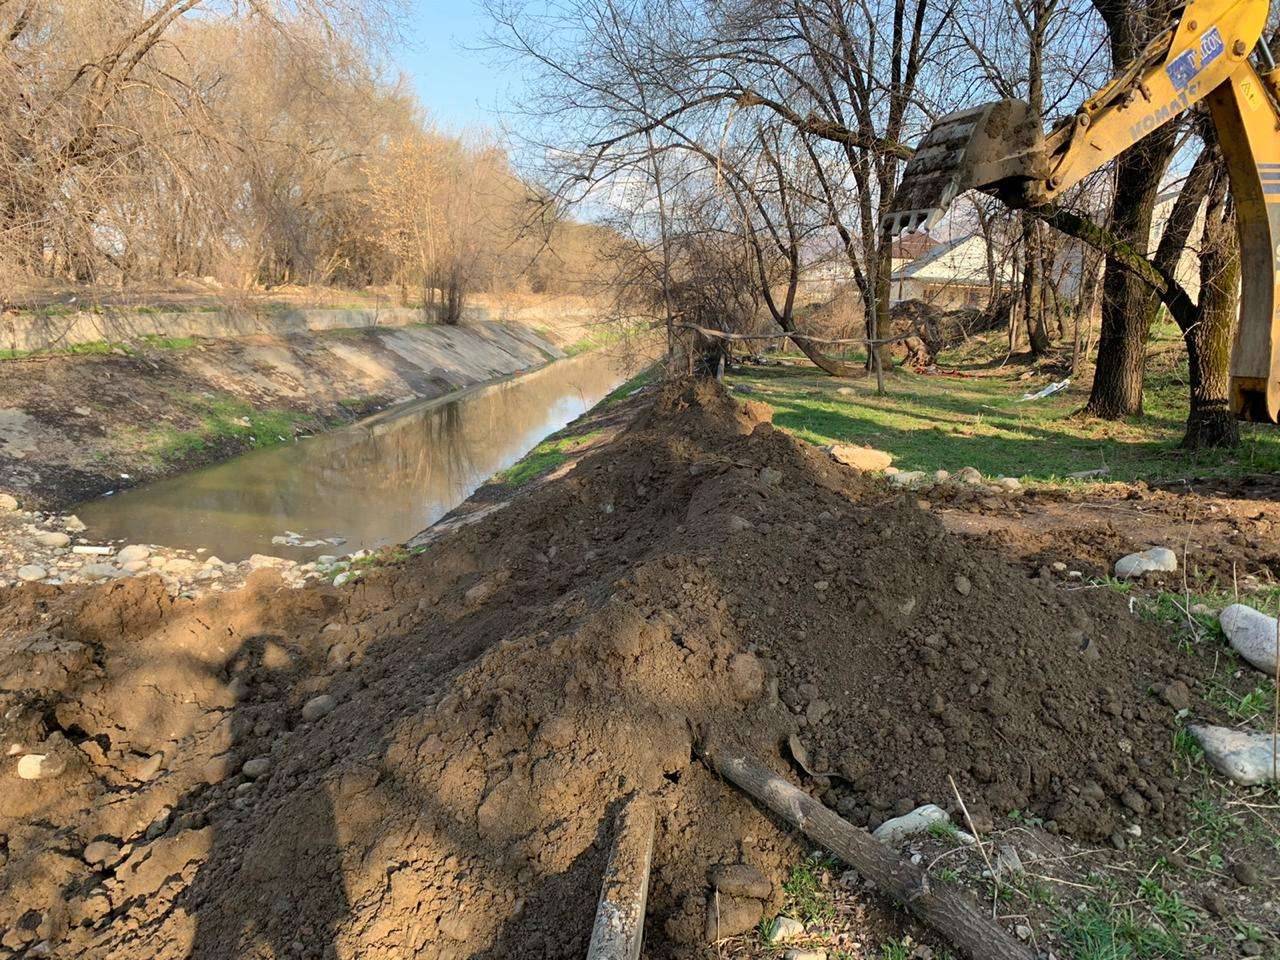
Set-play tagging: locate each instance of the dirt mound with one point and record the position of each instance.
(438, 749)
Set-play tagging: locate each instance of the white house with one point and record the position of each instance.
(950, 275)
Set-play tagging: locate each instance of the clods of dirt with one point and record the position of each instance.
(492, 702)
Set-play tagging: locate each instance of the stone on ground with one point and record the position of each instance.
(1246, 758)
(40, 766)
(134, 551)
(8, 503)
(785, 929)
(912, 824)
(53, 538)
(860, 458)
(99, 571)
(1155, 560)
(257, 767)
(1252, 634)
(318, 707)
(969, 475)
(746, 673)
(31, 571)
(907, 478)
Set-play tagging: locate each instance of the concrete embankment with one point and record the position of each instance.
(78, 426)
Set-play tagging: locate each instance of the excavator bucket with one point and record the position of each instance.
(995, 144)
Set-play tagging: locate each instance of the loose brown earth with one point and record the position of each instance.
(498, 697)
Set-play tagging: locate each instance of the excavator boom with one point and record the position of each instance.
(1203, 55)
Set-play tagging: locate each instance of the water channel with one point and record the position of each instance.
(367, 485)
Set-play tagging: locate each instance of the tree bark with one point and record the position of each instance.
(1209, 421)
(947, 909)
(1128, 304)
(1033, 287)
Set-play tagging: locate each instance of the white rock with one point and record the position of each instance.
(1009, 483)
(74, 524)
(907, 478)
(91, 550)
(1155, 560)
(40, 766)
(969, 475)
(343, 578)
(81, 411)
(134, 551)
(804, 953)
(260, 560)
(911, 824)
(325, 560)
(180, 566)
(941, 476)
(135, 566)
(32, 571)
(8, 503)
(52, 538)
(99, 571)
(1252, 634)
(1246, 758)
(785, 929)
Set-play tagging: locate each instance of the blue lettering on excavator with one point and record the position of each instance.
(1182, 70)
(1211, 46)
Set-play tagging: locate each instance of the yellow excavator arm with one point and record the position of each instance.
(1203, 55)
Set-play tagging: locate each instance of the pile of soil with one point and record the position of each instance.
(487, 706)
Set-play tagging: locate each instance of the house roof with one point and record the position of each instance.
(909, 246)
(963, 260)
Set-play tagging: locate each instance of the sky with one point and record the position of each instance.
(459, 87)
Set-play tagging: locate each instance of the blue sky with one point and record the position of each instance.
(460, 87)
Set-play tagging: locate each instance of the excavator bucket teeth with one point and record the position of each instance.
(966, 149)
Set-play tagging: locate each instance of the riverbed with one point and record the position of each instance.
(374, 483)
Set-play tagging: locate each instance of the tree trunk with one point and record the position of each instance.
(1209, 421)
(1128, 304)
(1033, 287)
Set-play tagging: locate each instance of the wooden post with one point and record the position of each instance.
(619, 928)
(946, 909)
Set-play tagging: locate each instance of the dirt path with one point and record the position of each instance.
(426, 762)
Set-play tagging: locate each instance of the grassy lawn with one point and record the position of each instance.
(974, 417)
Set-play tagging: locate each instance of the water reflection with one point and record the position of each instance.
(374, 483)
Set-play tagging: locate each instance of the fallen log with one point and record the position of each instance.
(948, 910)
(619, 928)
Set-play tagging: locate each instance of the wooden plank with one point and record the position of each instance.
(946, 909)
(619, 928)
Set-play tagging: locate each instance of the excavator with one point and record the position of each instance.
(1203, 54)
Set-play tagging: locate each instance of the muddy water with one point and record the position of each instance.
(374, 483)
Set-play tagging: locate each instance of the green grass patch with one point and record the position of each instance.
(157, 342)
(223, 420)
(545, 457)
(598, 337)
(1100, 931)
(931, 422)
(806, 898)
(621, 393)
